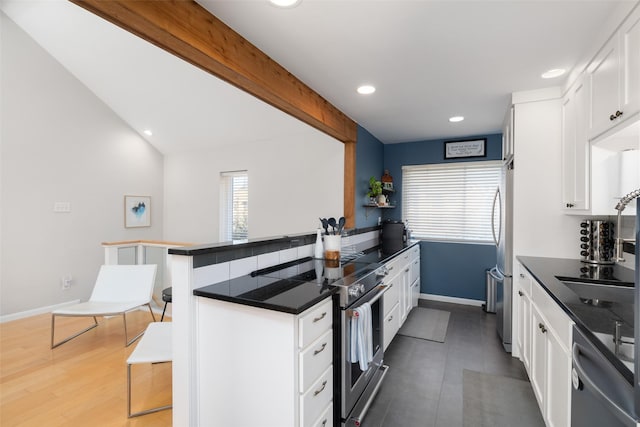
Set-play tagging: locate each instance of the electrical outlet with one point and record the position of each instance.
(66, 282)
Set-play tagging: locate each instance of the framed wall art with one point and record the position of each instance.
(465, 148)
(137, 211)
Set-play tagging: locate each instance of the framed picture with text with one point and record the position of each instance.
(137, 211)
(465, 148)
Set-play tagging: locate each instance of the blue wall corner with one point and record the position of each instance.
(369, 162)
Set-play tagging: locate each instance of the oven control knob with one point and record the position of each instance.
(355, 290)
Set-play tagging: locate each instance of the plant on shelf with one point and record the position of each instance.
(375, 191)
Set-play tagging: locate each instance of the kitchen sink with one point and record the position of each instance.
(598, 293)
(625, 349)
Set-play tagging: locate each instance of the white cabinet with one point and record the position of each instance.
(575, 148)
(403, 280)
(522, 293)
(544, 340)
(279, 366)
(614, 76)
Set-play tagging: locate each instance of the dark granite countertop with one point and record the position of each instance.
(589, 318)
(288, 290)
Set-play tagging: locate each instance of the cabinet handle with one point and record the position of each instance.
(390, 268)
(570, 205)
(390, 319)
(407, 270)
(542, 328)
(415, 263)
(618, 113)
(324, 423)
(520, 293)
(612, 117)
(317, 392)
(317, 319)
(522, 275)
(315, 352)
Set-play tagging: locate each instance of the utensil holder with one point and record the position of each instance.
(332, 245)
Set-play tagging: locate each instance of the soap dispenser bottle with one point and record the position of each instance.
(318, 252)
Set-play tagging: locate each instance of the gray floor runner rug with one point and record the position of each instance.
(426, 323)
(498, 401)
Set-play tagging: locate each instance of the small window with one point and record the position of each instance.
(234, 205)
(450, 202)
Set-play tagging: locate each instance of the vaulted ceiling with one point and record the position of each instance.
(429, 60)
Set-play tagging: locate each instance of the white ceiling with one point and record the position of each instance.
(428, 59)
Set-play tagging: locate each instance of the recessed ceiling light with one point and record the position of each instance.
(285, 3)
(147, 132)
(456, 119)
(366, 90)
(556, 72)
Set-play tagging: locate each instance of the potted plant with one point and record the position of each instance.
(375, 191)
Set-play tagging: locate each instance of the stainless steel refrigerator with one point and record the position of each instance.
(502, 229)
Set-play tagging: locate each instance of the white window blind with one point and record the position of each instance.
(234, 205)
(450, 201)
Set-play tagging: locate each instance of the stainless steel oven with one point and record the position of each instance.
(358, 386)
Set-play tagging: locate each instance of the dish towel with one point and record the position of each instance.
(362, 337)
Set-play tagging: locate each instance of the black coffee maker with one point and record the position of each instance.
(393, 236)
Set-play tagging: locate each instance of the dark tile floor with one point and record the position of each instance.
(423, 386)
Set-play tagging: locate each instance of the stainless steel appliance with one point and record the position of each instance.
(359, 387)
(502, 229)
(596, 241)
(600, 395)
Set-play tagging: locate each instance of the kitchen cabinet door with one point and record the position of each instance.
(523, 339)
(558, 383)
(538, 356)
(576, 175)
(615, 78)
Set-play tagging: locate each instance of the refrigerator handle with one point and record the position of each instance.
(615, 409)
(496, 197)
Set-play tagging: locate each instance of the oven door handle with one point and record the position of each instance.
(382, 289)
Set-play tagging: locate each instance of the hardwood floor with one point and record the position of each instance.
(82, 382)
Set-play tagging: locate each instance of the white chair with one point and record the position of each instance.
(118, 290)
(154, 347)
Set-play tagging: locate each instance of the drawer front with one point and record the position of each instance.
(392, 295)
(391, 325)
(314, 401)
(524, 279)
(315, 359)
(326, 419)
(558, 320)
(415, 252)
(314, 322)
(395, 265)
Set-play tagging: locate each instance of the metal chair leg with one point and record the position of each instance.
(163, 310)
(53, 329)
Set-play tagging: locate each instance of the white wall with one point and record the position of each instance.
(292, 182)
(540, 226)
(60, 143)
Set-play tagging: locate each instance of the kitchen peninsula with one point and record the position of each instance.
(259, 320)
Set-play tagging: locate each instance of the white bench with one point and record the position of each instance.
(155, 346)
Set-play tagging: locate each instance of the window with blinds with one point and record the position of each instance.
(451, 202)
(234, 205)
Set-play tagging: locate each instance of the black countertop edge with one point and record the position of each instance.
(306, 238)
(554, 287)
(268, 306)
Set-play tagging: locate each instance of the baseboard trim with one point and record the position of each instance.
(454, 300)
(35, 311)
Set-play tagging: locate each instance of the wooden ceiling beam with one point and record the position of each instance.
(190, 32)
(187, 30)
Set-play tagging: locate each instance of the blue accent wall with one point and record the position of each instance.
(447, 269)
(369, 161)
(455, 269)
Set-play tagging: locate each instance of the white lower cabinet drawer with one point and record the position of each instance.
(315, 359)
(326, 419)
(314, 322)
(391, 325)
(316, 398)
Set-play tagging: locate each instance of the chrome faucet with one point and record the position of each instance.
(619, 254)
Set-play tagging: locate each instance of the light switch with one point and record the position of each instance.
(62, 207)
